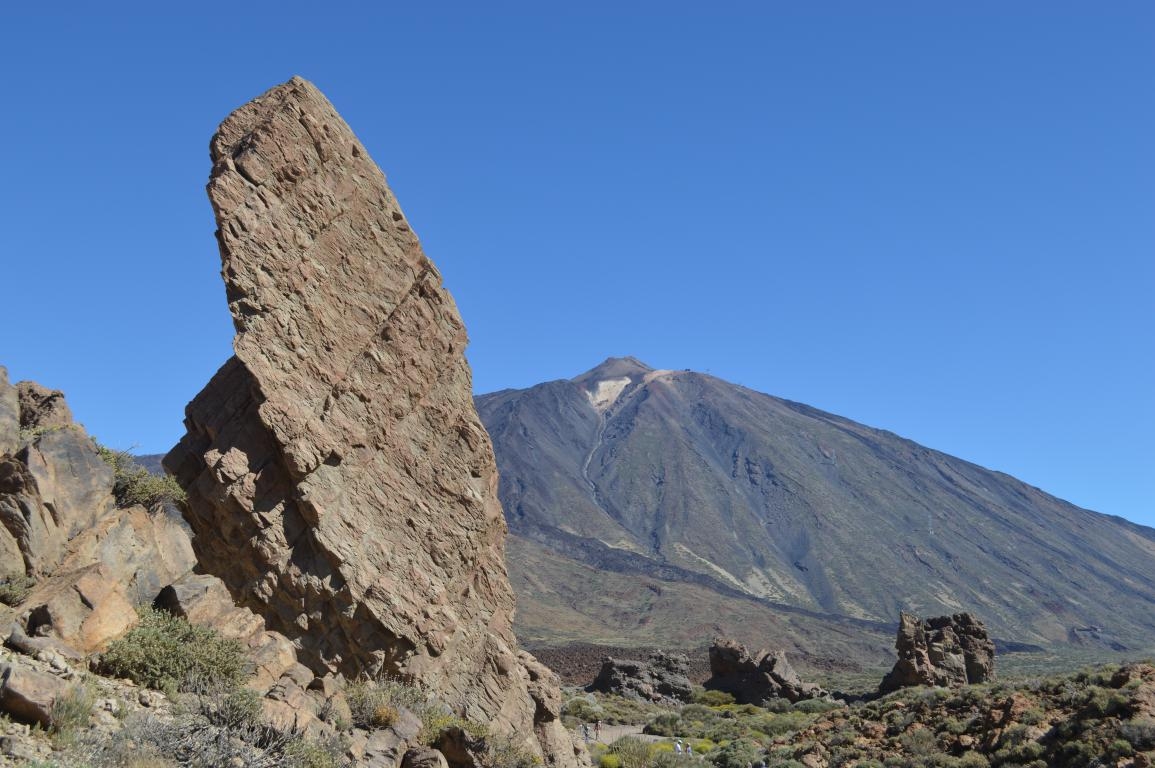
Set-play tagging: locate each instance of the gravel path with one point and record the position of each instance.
(611, 733)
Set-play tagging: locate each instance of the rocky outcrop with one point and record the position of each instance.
(51, 489)
(339, 480)
(944, 651)
(756, 679)
(28, 695)
(663, 678)
(9, 415)
(41, 407)
(60, 526)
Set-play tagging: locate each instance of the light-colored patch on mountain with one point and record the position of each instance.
(758, 584)
(780, 587)
(947, 598)
(857, 611)
(719, 570)
(652, 375)
(627, 545)
(605, 393)
(1140, 541)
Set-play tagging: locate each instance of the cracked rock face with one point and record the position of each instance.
(340, 482)
(945, 651)
(662, 678)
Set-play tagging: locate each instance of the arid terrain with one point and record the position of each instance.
(351, 560)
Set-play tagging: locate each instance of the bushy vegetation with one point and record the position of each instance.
(133, 484)
(194, 740)
(71, 710)
(376, 703)
(14, 590)
(379, 703)
(1100, 716)
(168, 653)
(727, 722)
(609, 708)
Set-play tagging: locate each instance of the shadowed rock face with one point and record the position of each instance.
(946, 650)
(339, 479)
(756, 679)
(662, 678)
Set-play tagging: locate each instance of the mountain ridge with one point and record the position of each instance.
(665, 473)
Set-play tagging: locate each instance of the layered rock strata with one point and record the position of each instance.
(663, 678)
(756, 679)
(944, 651)
(339, 480)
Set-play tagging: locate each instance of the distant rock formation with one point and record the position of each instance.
(946, 651)
(663, 678)
(339, 480)
(756, 679)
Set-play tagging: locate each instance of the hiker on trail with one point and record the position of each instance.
(689, 749)
(598, 730)
(586, 731)
(678, 746)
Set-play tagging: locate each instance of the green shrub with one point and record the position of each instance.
(632, 753)
(664, 725)
(1139, 734)
(435, 722)
(71, 710)
(133, 484)
(713, 698)
(816, 706)
(166, 652)
(1121, 748)
(919, 742)
(14, 590)
(303, 752)
(238, 709)
(739, 753)
(581, 709)
(778, 705)
(698, 712)
(505, 752)
(375, 703)
(1033, 716)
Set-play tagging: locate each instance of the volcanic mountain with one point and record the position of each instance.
(659, 506)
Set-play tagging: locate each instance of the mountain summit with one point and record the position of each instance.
(690, 481)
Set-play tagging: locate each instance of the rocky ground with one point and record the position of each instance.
(1098, 717)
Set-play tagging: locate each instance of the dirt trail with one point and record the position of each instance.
(611, 733)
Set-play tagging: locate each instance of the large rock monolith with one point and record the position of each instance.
(339, 480)
(944, 651)
(663, 678)
(756, 679)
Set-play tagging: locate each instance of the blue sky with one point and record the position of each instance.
(934, 218)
